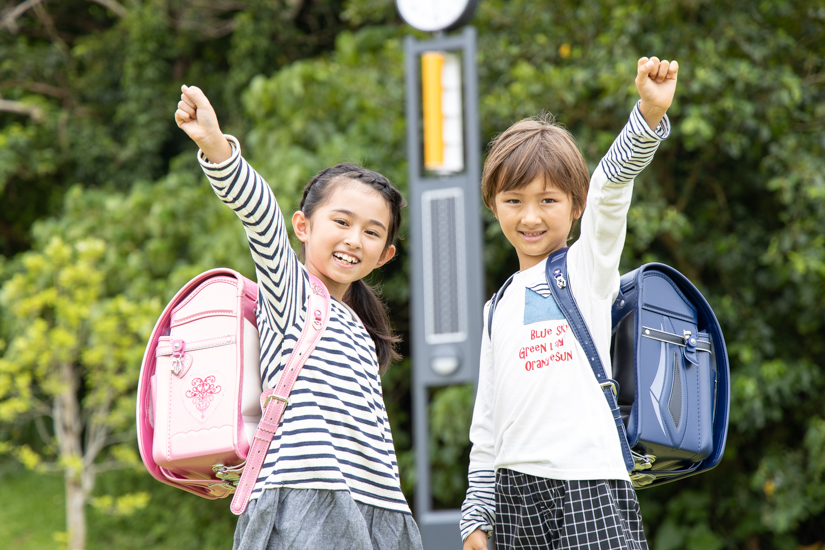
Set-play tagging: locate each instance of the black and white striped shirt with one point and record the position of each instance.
(334, 434)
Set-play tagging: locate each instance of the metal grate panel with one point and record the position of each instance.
(445, 296)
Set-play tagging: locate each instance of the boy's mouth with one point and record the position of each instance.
(345, 258)
(532, 235)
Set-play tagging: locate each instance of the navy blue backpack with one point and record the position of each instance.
(670, 394)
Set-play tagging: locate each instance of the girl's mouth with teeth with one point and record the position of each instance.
(346, 258)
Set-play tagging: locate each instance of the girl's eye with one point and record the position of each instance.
(373, 233)
(341, 222)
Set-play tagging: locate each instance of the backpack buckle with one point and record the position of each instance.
(560, 280)
(643, 462)
(284, 400)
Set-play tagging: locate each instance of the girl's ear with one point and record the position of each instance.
(386, 256)
(300, 224)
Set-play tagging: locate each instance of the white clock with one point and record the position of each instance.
(436, 15)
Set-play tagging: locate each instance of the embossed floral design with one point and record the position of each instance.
(203, 392)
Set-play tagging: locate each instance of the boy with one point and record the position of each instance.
(546, 469)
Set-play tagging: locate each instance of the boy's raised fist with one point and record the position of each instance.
(656, 83)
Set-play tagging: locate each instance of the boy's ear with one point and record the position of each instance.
(300, 224)
(386, 256)
(578, 213)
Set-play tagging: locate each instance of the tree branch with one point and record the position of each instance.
(815, 78)
(47, 438)
(10, 18)
(97, 435)
(51, 29)
(38, 88)
(21, 108)
(114, 6)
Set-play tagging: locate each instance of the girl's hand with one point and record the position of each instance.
(656, 83)
(477, 540)
(197, 118)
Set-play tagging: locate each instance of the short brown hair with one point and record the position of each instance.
(532, 148)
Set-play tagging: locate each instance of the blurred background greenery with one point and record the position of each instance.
(104, 214)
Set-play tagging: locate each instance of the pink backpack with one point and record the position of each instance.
(199, 405)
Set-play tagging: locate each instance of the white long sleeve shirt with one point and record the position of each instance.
(539, 409)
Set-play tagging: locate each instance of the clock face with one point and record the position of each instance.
(436, 15)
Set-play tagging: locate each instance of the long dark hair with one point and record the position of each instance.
(360, 296)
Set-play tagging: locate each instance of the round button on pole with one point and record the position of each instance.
(445, 365)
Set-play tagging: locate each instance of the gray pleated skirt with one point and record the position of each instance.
(301, 519)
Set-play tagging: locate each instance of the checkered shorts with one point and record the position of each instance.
(534, 512)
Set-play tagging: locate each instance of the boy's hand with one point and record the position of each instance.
(477, 540)
(656, 82)
(197, 118)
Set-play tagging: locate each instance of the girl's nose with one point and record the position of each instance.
(352, 240)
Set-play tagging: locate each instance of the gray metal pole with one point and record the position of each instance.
(447, 278)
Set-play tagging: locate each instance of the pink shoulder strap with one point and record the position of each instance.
(275, 400)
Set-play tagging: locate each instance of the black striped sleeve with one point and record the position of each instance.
(281, 280)
(479, 508)
(633, 149)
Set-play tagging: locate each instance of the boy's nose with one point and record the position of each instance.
(530, 215)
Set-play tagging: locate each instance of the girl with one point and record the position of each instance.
(330, 478)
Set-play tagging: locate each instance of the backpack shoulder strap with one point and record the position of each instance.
(275, 400)
(557, 279)
(494, 302)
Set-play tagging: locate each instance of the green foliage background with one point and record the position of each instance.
(735, 199)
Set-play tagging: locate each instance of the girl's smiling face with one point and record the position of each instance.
(346, 237)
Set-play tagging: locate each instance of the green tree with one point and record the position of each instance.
(86, 86)
(69, 368)
(80, 306)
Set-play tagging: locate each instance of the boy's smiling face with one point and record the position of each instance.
(536, 219)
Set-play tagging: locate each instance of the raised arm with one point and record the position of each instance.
(604, 222)
(282, 281)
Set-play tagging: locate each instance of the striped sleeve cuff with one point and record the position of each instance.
(220, 173)
(633, 149)
(479, 508)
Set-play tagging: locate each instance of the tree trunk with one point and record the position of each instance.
(68, 427)
(75, 512)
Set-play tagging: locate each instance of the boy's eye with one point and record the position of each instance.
(548, 201)
(512, 201)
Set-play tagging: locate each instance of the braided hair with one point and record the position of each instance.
(360, 296)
